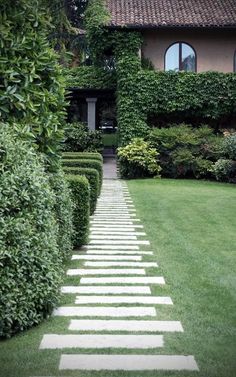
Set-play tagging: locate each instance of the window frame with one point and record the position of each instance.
(180, 43)
(234, 62)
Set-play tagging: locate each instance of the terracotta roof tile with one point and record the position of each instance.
(172, 13)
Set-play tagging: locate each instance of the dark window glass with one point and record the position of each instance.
(180, 57)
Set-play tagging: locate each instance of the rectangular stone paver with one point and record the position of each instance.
(54, 341)
(123, 232)
(107, 311)
(111, 237)
(106, 257)
(110, 247)
(124, 300)
(106, 271)
(128, 362)
(117, 252)
(114, 242)
(115, 227)
(124, 325)
(123, 280)
(112, 289)
(121, 264)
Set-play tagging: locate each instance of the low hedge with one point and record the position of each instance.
(30, 261)
(82, 163)
(64, 212)
(93, 178)
(82, 156)
(80, 192)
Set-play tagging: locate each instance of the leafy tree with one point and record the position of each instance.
(31, 84)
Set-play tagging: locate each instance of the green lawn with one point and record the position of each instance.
(110, 140)
(192, 229)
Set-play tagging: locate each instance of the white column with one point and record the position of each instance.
(91, 113)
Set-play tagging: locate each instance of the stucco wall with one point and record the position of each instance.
(215, 49)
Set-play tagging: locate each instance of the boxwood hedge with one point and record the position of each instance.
(82, 155)
(30, 261)
(80, 191)
(84, 163)
(93, 178)
(64, 212)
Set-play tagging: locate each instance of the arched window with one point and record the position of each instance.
(235, 61)
(180, 57)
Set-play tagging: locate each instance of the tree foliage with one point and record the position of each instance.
(31, 84)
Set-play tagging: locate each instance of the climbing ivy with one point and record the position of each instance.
(141, 92)
(91, 77)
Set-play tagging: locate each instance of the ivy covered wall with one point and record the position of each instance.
(141, 92)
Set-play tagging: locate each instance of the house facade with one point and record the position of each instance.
(189, 35)
(184, 35)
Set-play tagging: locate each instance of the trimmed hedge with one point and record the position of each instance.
(82, 156)
(80, 191)
(30, 261)
(93, 178)
(64, 212)
(84, 163)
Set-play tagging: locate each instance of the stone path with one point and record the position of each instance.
(113, 295)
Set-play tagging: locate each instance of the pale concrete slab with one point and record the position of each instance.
(106, 271)
(113, 222)
(124, 280)
(117, 252)
(111, 226)
(110, 247)
(121, 264)
(54, 341)
(128, 362)
(153, 300)
(106, 311)
(115, 242)
(111, 237)
(101, 290)
(124, 325)
(124, 232)
(106, 257)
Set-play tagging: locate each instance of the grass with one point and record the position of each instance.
(191, 226)
(110, 140)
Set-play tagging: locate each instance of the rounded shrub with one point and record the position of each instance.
(225, 170)
(138, 159)
(30, 262)
(78, 138)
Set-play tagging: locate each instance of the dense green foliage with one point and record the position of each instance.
(138, 159)
(92, 176)
(78, 138)
(90, 77)
(31, 84)
(80, 196)
(82, 155)
(30, 261)
(186, 151)
(86, 163)
(64, 212)
(225, 168)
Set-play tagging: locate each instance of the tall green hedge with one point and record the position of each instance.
(30, 260)
(31, 82)
(92, 176)
(80, 191)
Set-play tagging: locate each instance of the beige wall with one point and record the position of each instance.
(215, 49)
